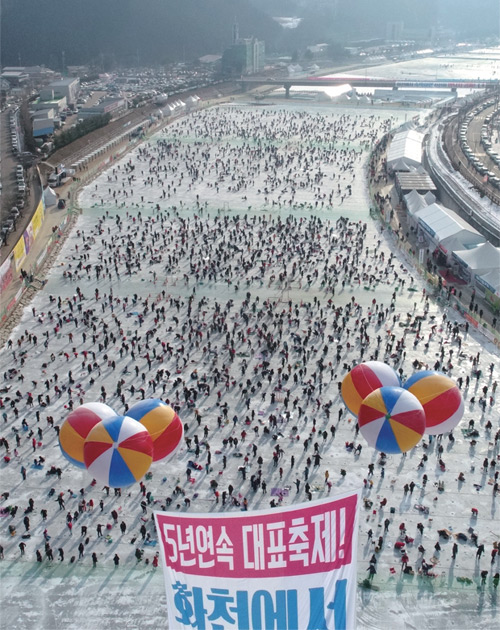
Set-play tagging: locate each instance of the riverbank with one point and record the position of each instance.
(242, 244)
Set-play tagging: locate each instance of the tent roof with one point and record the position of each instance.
(484, 257)
(406, 146)
(444, 224)
(49, 196)
(491, 280)
(419, 181)
(416, 201)
(402, 164)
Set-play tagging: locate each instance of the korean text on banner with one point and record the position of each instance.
(6, 273)
(282, 569)
(28, 238)
(19, 253)
(36, 221)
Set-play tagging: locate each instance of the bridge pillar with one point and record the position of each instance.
(287, 90)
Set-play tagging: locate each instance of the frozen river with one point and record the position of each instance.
(238, 200)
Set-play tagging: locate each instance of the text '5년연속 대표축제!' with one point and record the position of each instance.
(287, 568)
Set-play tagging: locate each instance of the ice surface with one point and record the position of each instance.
(200, 153)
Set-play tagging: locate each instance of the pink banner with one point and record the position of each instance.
(6, 273)
(302, 540)
(28, 238)
(471, 320)
(246, 569)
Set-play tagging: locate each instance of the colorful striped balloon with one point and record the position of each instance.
(163, 424)
(118, 451)
(391, 420)
(77, 426)
(441, 399)
(363, 380)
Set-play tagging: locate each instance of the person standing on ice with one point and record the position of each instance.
(371, 572)
(289, 231)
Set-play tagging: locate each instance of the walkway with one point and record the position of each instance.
(481, 211)
(395, 222)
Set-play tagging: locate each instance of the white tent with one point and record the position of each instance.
(405, 151)
(481, 259)
(446, 230)
(490, 281)
(348, 97)
(478, 261)
(168, 109)
(337, 92)
(49, 197)
(415, 201)
(192, 101)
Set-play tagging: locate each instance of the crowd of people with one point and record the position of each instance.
(245, 322)
(278, 159)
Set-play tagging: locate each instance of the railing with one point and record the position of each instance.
(442, 168)
(410, 255)
(84, 176)
(56, 237)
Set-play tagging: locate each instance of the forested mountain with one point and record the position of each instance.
(125, 31)
(148, 32)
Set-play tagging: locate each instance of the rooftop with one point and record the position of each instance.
(415, 181)
(63, 82)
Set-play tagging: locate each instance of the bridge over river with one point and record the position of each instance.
(360, 81)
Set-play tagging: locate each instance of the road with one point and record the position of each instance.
(9, 197)
(71, 153)
(8, 164)
(474, 140)
(50, 241)
(459, 160)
